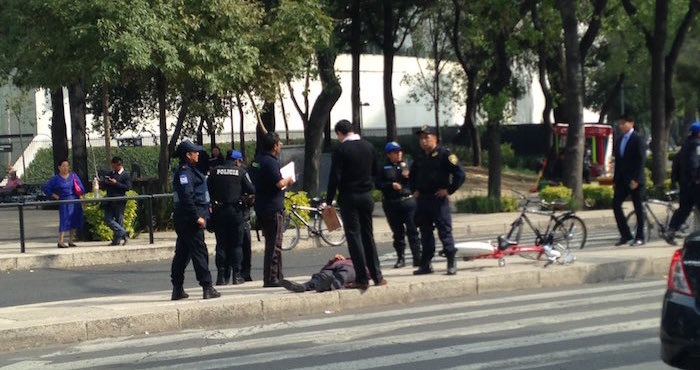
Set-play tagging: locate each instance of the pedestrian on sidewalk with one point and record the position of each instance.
(686, 172)
(116, 184)
(227, 184)
(435, 174)
(63, 186)
(338, 273)
(353, 168)
(398, 204)
(190, 215)
(629, 152)
(269, 205)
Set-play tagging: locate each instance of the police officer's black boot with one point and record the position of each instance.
(227, 275)
(451, 264)
(237, 279)
(210, 292)
(415, 253)
(400, 261)
(179, 293)
(220, 280)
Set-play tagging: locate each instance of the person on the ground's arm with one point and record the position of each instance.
(269, 205)
(435, 174)
(66, 185)
(227, 185)
(629, 151)
(352, 171)
(338, 273)
(398, 203)
(116, 184)
(686, 172)
(190, 216)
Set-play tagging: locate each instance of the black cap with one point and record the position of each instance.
(187, 146)
(426, 130)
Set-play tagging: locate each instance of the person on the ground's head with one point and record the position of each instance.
(228, 183)
(686, 172)
(66, 185)
(435, 174)
(190, 216)
(398, 203)
(353, 168)
(629, 151)
(269, 205)
(116, 184)
(338, 273)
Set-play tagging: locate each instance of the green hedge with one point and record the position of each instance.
(598, 196)
(95, 217)
(559, 192)
(483, 204)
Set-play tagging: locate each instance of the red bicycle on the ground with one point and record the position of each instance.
(549, 251)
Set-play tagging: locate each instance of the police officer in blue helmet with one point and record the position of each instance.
(190, 216)
(686, 172)
(398, 204)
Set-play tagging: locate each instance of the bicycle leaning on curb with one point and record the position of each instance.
(661, 224)
(315, 226)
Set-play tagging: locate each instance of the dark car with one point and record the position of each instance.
(680, 318)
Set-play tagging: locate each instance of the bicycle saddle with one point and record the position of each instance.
(504, 243)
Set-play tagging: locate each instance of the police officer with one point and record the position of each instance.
(435, 174)
(227, 184)
(247, 202)
(190, 215)
(686, 171)
(398, 203)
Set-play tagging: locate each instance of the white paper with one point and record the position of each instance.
(288, 171)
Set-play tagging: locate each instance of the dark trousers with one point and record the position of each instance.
(228, 228)
(433, 212)
(689, 197)
(247, 249)
(356, 214)
(190, 246)
(114, 218)
(400, 215)
(621, 193)
(272, 226)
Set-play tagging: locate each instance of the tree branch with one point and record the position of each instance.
(593, 27)
(294, 100)
(632, 13)
(672, 56)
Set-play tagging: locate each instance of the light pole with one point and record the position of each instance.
(365, 104)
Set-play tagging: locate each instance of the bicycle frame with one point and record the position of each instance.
(314, 212)
(539, 236)
(669, 212)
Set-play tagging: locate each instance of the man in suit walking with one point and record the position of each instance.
(630, 154)
(116, 183)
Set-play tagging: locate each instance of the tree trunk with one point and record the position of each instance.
(164, 156)
(612, 97)
(241, 117)
(59, 138)
(268, 119)
(470, 117)
(659, 129)
(107, 125)
(493, 133)
(319, 119)
(355, 50)
(575, 141)
(284, 119)
(388, 48)
(76, 98)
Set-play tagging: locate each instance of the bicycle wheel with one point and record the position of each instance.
(290, 237)
(632, 223)
(333, 238)
(570, 232)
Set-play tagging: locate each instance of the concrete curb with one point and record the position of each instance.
(195, 314)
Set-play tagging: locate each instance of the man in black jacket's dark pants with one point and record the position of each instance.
(352, 171)
(629, 152)
(116, 183)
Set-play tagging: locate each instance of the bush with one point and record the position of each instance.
(299, 198)
(95, 217)
(376, 195)
(552, 193)
(482, 204)
(598, 196)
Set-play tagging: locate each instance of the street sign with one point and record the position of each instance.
(5, 147)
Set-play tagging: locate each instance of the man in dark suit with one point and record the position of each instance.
(116, 183)
(630, 154)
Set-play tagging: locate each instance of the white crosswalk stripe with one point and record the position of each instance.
(482, 326)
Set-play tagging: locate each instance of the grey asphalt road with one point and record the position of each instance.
(604, 326)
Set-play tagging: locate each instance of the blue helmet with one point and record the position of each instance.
(391, 146)
(236, 155)
(695, 128)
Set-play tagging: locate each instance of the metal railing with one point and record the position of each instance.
(148, 198)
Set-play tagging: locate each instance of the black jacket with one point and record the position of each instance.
(353, 169)
(686, 164)
(121, 187)
(630, 166)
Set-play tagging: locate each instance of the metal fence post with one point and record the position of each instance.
(20, 207)
(149, 209)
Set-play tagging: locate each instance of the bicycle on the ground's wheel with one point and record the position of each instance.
(564, 231)
(661, 224)
(315, 226)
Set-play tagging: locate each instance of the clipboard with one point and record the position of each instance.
(330, 218)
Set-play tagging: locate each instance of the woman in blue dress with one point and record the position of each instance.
(63, 186)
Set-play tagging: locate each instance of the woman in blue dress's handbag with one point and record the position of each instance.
(66, 185)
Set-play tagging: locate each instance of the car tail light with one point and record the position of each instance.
(677, 279)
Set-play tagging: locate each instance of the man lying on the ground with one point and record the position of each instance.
(336, 274)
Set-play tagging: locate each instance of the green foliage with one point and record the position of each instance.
(598, 196)
(299, 198)
(558, 193)
(94, 217)
(482, 204)
(377, 195)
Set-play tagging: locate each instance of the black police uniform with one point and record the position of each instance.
(430, 172)
(227, 183)
(247, 246)
(686, 171)
(400, 209)
(191, 202)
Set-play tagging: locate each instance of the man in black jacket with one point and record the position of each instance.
(629, 152)
(116, 183)
(686, 172)
(352, 170)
